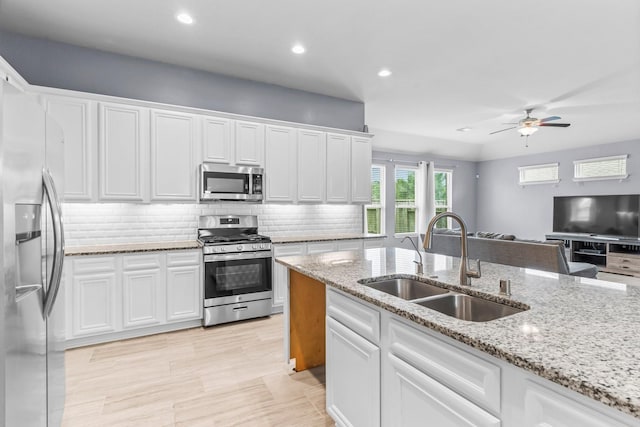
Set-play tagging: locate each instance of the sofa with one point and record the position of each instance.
(507, 249)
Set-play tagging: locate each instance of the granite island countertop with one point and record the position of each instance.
(581, 333)
(324, 237)
(130, 248)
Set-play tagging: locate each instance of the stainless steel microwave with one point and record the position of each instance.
(231, 183)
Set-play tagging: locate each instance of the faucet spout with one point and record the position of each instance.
(419, 265)
(466, 273)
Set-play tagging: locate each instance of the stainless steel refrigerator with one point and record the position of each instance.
(32, 254)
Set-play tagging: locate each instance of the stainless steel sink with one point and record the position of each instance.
(467, 307)
(406, 288)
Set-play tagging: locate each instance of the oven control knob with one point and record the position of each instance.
(222, 249)
(254, 246)
(214, 249)
(239, 247)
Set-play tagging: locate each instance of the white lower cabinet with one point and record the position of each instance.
(94, 304)
(142, 291)
(123, 295)
(382, 369)
(184, 293)
(280, 273)
(353, 384)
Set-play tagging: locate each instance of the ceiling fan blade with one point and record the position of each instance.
(548, 119)
(502, 130)
(558, 125)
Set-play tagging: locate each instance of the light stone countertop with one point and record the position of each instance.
(324, 237)
(581, 333)
(131, 247)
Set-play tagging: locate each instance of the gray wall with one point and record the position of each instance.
(47, 63)
(464, 187)
(505, 207)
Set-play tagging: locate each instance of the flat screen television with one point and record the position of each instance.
(603, 215)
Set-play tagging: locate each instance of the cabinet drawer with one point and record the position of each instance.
(141, 262)
(466, 374)
(354, 315)
(89, 265)
(544, 407)
(317, 248)
(350, 245)
(287, 250)
(183, 258)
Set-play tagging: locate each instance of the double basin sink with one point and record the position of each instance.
(454, 304)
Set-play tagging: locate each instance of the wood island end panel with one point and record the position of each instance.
(306, 321)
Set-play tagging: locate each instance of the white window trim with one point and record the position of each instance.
(415, 206)
(523, 169)
(449, 193)
(577, 163)
(382, 205)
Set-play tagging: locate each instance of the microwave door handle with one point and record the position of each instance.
(58, 242)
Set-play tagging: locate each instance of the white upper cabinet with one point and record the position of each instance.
(217, 140)
(124, 143)
(312, 147)
(173, 164)
(249, 143)
(78, 119)
(338, 166)
(280, 159)
(360, 170)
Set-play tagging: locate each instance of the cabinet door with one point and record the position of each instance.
(124, 142)
(360, 170)
(173, 165)
(217, 140)
(280, 164)
(353, 377)
(249, 142)
(94, 303)
(141, 293)
(411, 397)
(78, 119)
(338, 168)
(312, 147)
(184, 293)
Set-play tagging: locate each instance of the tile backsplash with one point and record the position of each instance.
(112, 223)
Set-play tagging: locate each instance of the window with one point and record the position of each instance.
(539, 174)
(443, 190)
(405, 200)
(374, 213)
(614, 167)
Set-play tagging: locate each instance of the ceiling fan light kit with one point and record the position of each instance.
(530, 125)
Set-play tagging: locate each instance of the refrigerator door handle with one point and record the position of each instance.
(58, 241)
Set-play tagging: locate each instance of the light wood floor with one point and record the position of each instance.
(226, 375)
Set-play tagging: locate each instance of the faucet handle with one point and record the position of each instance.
(477, 273)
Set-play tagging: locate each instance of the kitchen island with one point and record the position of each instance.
(577, 343)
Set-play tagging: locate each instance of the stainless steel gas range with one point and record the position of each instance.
(237, 269)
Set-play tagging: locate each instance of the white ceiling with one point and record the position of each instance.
(455, 63)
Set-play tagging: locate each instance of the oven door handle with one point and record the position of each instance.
(237, 256)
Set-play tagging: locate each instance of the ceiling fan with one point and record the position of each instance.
(529, 125)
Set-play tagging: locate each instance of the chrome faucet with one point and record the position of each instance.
(466, 273)
(419, 266)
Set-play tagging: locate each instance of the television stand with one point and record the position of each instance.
(610, 254)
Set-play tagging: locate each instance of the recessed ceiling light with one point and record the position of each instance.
(298, 49)
(384, 72)
(185, 18)
(464, 129)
